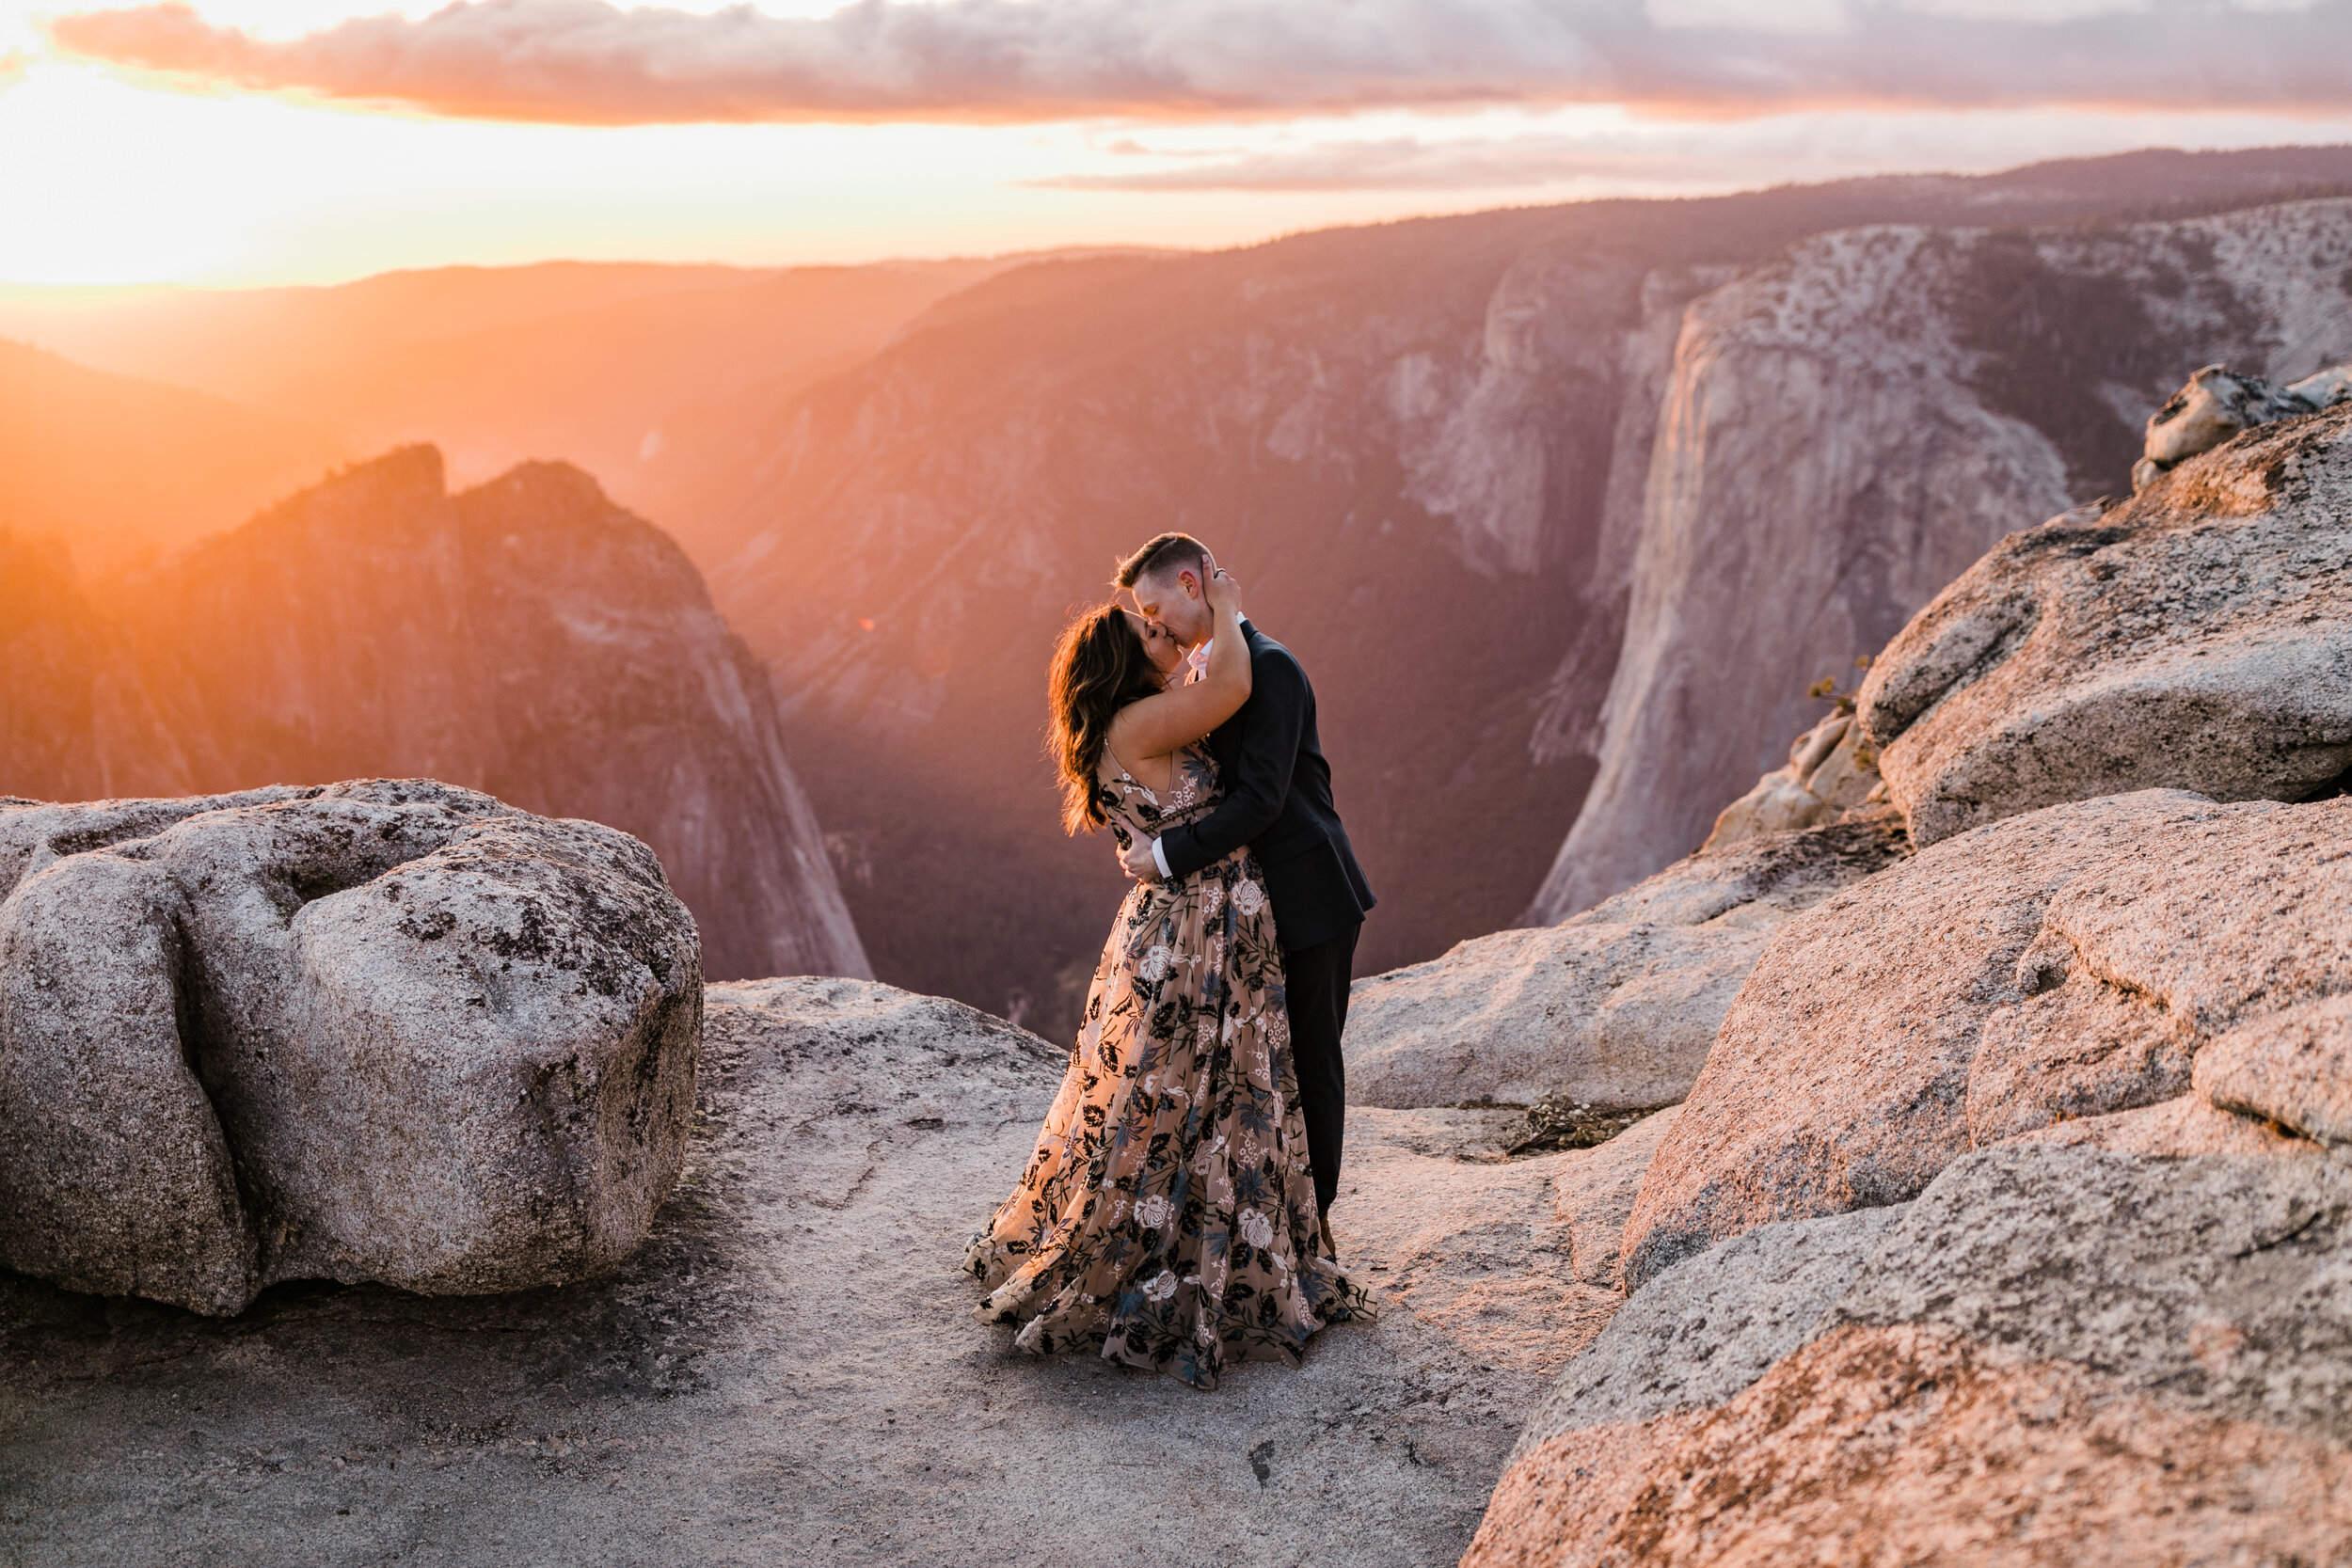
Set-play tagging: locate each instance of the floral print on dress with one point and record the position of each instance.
(1167, 1218)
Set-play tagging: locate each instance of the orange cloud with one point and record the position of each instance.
(592, 63)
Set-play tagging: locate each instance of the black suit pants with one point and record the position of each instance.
(1315, 987)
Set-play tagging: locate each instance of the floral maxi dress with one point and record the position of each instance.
(1168, 1216)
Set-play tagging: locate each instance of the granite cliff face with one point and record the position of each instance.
(526, 638)
(1423, 448)
(1850, 424)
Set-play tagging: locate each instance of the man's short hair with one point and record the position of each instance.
(1161, 556)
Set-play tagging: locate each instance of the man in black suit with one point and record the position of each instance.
(1278, 801)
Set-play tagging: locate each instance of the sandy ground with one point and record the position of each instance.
(787, 1373)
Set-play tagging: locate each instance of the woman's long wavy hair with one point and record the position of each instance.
(1099, 668)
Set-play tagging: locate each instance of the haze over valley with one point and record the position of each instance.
(1449, 458)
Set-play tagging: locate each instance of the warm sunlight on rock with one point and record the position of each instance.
(1374, 782)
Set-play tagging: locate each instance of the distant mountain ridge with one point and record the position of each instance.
(600, 364)
(526, 638)
(123, 468)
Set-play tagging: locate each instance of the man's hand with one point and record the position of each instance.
(1136, 860)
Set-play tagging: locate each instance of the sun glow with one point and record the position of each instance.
(108, 176)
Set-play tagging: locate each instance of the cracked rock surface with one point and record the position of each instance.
(2055, 1355)
(2070, 963)
(787, 1372)
(390, 1030)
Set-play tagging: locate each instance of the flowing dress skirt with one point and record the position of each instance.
(1168, 1216)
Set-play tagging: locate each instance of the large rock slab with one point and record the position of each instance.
(787, 1372)
(2068, 963)
(1915, 1445)
(388, 1031)
(2199, 636)
(2054, 1355)
(1616, 1008)
(1705, 1331)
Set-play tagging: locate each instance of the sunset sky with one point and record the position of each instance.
(261, 141)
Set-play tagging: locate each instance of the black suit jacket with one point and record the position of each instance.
(1278, 801)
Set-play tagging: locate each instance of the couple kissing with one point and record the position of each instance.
(1174, 1214)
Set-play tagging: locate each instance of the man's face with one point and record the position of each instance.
(1174, 601)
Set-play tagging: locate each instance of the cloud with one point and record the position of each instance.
(1634, 154)
(589, 62)
(1409, 163)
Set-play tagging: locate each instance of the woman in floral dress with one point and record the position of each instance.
(1167, 1217)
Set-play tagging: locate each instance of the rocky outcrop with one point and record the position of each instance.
(1831, 770)
(526, 638)
(2069, 963)
(2000, 1222)
(389, 1031)
(1614, 1008)
(2194, 636)
(786, 1369)
(2053, 1354)
(2218, 404)
(1954, 359)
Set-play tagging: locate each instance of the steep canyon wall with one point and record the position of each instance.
(1848, 426)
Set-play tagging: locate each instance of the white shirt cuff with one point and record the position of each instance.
(1159, 858)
